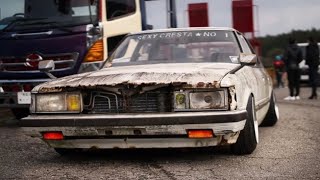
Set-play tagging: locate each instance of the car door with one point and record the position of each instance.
(262, 90)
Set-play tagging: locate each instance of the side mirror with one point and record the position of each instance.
(248, 59)
(46, 66)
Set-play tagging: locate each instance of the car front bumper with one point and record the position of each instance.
(166, 130)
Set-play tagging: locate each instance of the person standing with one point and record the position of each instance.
(312, 60)
(278, 65)
(292, 58)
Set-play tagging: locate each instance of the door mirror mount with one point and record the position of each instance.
(46, 66)
(248, 59)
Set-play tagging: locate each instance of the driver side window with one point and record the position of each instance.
(119, 8)
(245, 47)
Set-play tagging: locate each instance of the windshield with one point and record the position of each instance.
(177, 47)
(30, 14)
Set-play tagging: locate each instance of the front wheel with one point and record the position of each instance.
(247, 141)
(272, 114)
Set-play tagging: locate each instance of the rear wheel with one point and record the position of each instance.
(20, 113)
(272, 114)
(247, 140)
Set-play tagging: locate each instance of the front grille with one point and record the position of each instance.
(155, 101)
(106, 102)
(62, 62)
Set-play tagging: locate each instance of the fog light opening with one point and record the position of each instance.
(199, 134)
(52, 136)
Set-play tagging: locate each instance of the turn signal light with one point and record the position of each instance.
(200, 133)
(52, 136)
(73, 102)
(95, 53)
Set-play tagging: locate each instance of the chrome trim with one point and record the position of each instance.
(32, 34)
(64, 61)
(144, 102)
(71, 62)
(109, 101)
(262, 103)
(24, 81)
(136, 115)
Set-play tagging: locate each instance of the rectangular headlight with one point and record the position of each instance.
(201, 100)
(60, 102)
(208, 100)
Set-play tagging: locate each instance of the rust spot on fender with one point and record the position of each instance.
(200, 84)
(216, 84)
(50, 89)
(193, 76)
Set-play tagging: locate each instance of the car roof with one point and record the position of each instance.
(184, 29)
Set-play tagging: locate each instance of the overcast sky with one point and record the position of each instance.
(271, 17)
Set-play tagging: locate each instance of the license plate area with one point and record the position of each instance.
(125, 131)
(24, 97)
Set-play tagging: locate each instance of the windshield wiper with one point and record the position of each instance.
(35, 21)
(53, 24)
(15, 21)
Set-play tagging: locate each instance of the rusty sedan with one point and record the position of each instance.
(174, 88)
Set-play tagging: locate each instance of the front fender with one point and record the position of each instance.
(243, 91)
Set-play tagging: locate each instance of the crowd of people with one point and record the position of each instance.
(289, 63)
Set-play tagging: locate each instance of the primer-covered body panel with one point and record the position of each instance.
(208, 74)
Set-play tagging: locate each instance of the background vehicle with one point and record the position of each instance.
(303, 66)
(194, 87)
(77, 34)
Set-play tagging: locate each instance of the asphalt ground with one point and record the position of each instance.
(6, 118)
(289, 150)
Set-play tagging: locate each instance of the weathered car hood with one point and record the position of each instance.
(187, 73)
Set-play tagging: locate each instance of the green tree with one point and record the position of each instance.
(273, 44)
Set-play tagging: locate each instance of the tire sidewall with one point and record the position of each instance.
(247, 140)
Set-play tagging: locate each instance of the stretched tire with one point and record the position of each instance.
(247, 141)
(20, 113)
(272, 114)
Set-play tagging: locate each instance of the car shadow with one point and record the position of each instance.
(145, 155)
